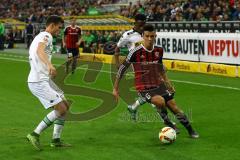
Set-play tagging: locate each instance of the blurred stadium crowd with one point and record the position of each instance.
(156, 10)
(39, 10)
(185, 10)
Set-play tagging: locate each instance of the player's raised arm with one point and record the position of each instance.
(124, 66)
(64, 38)
(123, 42)
(163, 73)
(44, 58)
(116, 56)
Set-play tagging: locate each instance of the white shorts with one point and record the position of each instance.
(47, 92)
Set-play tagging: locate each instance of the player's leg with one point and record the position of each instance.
(75, 53)
(158, 101)
(182, 118)
(69, 59)
(133, 108)
(59, 125)
(45, 123)
(28, 41)
(140, 101)
(167, 121)
(163, 112)
(49, 97)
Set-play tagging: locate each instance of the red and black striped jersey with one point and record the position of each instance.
(72, 35)
(147, 65)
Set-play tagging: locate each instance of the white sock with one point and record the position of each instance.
(58, 127)
(153, 105)
(47, 121)
(140, 101)
(135, 105)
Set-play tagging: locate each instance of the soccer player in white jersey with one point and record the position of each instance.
(41, 86)
(131, 39)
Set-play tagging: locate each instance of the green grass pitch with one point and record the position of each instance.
(211, 102)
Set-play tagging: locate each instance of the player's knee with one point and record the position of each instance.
(61, 108)
(67, 103)
(158, 101)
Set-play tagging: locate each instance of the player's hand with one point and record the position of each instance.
(172, 89)
(169, 86)
(77, 44)
(64, 45)
(115, 94)
(52, 71)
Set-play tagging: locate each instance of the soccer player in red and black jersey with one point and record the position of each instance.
(71, 41)
(150, 77)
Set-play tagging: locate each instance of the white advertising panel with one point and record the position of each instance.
(201, 47)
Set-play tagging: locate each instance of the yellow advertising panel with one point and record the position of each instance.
(238, 70)
(86, 57)
(103, 58)
(208, 68)
(168, 64)
(185, 66)
(96, 58)
(218, 69)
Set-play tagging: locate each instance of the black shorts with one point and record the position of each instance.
(160, 90)
(72, 52)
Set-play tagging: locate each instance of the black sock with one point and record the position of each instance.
(74, 64)
(164, 115)
(56, 140)
(184, 121)
(67, 65)
(35, 134)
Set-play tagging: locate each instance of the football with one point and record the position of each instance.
(167, 135)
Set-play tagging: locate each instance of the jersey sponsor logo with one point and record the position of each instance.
(138, 43)
(147, 63)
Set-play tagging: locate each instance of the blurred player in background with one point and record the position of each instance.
(30, 33)
(71, 40)
(131, 38)
(42, 87)
(150, 77)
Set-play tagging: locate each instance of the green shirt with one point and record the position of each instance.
(88, 39)
(2, 28)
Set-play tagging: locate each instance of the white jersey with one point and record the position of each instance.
(39, 70)
(130, 39)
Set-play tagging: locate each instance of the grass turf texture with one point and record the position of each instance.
(213, 111)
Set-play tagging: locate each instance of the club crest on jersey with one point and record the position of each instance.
(46, 38)
(157, 54)
(142, 56)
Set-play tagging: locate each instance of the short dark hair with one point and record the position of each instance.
(54, 19)
(140, 17)
(148, 27)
